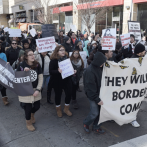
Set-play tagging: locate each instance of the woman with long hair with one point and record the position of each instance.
(58, 83)
(78, 65)
(31, 104)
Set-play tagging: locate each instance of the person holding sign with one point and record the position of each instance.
(31, 104)
(78, 65)
(92, 84)
(59, 55)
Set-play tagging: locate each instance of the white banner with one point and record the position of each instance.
(134, 28)
(123, 89)
(15, 32)
(67, 68)
(46, 44)
(125, 39)
(109, 39)
(83, 55)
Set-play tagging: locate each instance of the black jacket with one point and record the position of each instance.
(127, 53)
(68, 47)
(92, 77)
(12, 54)
(135, 56)
(4, 45)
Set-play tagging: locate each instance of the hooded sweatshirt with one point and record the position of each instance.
(85, 48)
(92, 77)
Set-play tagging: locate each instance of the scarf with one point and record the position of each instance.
(77, 63)
(62, 58)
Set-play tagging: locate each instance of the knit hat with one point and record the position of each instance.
(139, 48)
(21, 53)
(25, 41)
(66, 38)
(81, 35)
(94, 42)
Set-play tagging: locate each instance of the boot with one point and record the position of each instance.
(5, 101)
(67, 111)
(29, 125)
(32, 118)
(59, 112)
(49, 96)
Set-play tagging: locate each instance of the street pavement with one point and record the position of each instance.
(52, 131)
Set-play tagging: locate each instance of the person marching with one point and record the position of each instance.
(58, 83)
(31, 104)
(78, 65)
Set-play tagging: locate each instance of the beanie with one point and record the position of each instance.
(66, 38)
(25, 41)
(94, 42)
(139, 48)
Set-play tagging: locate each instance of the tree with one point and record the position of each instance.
(43, 10)
(86, 9)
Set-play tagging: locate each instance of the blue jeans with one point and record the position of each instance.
(46, 79)
(93, 116)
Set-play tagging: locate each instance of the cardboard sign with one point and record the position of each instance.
(125, 39)
(49, 30)
(67, 68)
(83, 55)
(73, 28)
(109, 39)
(134, 29)
(15, 32)
(19, 82)
(33, 32)
(6, 29)
(123, 87)
(46, 44)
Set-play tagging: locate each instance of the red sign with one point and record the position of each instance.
(62, 9)
(103, 3)
(139, 1)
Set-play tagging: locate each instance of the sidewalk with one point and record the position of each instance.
(52, 131)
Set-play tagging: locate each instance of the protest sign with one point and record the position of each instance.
(33, 32)
(46, 44)
(109, 39)
(19, 82)
(83, 55)
(125, 39)
(67, 68)
(134, 29)
(15, 32)
(6, 29)
(49, 30)
(25, 35)
(73, 28)
(122, 92)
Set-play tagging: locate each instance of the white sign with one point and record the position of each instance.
(134, 28)
(15, 32)
(25, 35)
(6, 29)
(109, 39)
(123, 91)
(83, 55)
(46, 44)
(67, 68)
(33, 32)
(73, 28)
(125, 39)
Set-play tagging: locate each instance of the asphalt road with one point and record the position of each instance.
(52, 131)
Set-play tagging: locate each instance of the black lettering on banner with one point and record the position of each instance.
(135, 93)
(110, 81)
(142, 92)
(122, 95)
(128, 111)
(144, 81)
(141, 79)
(135, 79)
(115, 95)
(128, 95)
(136, 107)
(124, 80)
(121, 112)
(118, 81)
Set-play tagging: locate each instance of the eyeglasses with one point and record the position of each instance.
(14, 43)
(62, 50)
(76, 53)
(31, 55)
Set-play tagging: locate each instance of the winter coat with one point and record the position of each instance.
(85, 48)
(92, 78)
(127, 53)
(135, 56)
(61, 40)
(12, 54)
(68, 47)
(4, 45)
(91, 56)
(3, 56)
(44, 62)
(37, 83)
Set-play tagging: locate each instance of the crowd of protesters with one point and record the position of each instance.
(22, 54)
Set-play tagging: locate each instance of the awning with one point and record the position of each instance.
(62, 9)
(11, 20)
(139, 1)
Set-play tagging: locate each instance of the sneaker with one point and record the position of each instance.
(135, 124)
(99, 131)
(75, 104)
(86, 128)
